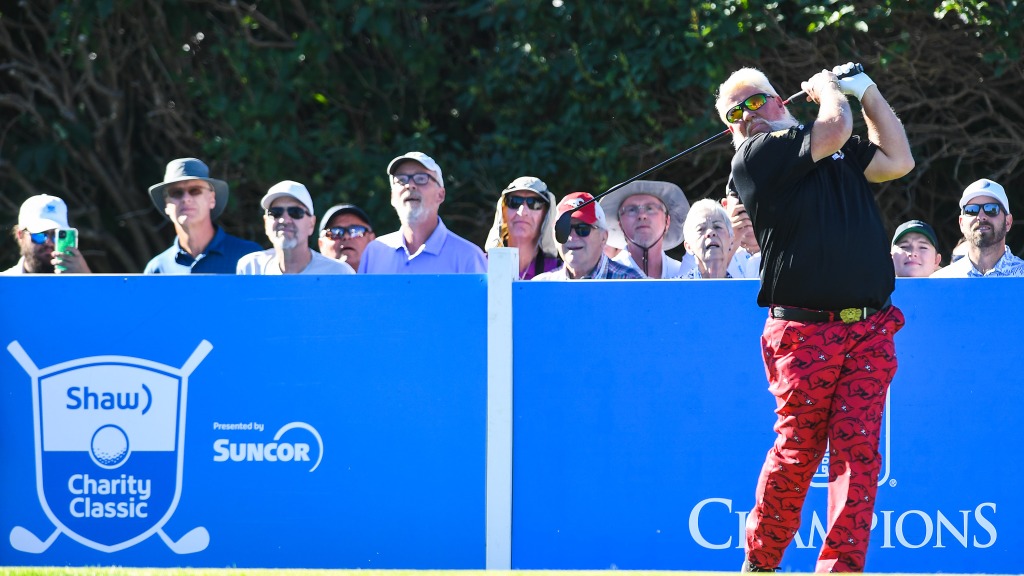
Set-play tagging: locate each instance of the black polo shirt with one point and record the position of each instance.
(823, 243)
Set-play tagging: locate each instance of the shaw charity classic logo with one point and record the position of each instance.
(109, 449)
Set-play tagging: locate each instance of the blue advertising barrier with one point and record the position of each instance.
(346, 422)
(239, 421)
(642, 418)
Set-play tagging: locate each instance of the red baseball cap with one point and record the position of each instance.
(592, 213)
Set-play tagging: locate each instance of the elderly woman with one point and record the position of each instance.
(524, 220)
(707, 234)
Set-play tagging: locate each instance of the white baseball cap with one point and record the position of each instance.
(43, 212)
(423, 159)
(985, 187)
(288, 188)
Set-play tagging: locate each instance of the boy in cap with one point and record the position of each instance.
(289, 222)
(915, 251)
(984, 221)
(38, 220)
(423, 244)
(345, 230)
(193, 201)
(582, 253)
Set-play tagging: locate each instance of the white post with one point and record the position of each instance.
(502, 270)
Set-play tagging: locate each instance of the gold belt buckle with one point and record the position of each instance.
(850, 315)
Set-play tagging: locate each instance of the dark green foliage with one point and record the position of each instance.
(98, 95)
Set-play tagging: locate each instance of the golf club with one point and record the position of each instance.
(195, 540)
(25, 541)
(563, 223)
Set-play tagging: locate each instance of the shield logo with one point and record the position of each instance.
(109, 448)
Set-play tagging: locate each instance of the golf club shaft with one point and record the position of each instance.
(857, 69)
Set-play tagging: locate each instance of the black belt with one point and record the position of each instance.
(846, 315)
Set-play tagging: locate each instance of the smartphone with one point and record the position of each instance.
(64, 239)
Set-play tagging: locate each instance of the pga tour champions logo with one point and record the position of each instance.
(109, 448)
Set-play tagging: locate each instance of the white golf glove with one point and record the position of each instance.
(852, 85)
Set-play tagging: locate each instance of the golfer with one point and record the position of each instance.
(826, 278)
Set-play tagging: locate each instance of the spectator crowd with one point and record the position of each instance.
(625, 235)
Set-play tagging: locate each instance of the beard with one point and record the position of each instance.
(38, 261)
(414, 214)
(784, 123)
(991, 238)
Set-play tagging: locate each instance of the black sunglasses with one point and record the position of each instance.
(419, 178)
(294, 212)
(582, 230)
(991, 209)
(735, 114)
(532, 202)
(340, 232)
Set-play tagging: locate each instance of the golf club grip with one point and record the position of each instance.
(857, 69)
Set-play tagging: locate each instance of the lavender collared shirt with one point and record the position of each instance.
(443, 253)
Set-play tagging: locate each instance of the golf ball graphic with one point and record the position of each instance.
(109, 446)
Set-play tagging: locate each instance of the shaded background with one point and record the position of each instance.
(96, 97)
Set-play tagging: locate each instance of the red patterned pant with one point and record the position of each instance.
(829, 381)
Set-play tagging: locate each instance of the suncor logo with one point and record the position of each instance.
(295, 448)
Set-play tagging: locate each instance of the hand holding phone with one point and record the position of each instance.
(64, 239)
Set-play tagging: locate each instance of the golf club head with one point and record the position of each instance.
(562, 226)
(25, 541)
(196, 540)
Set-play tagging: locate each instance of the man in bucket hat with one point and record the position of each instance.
(193, 201)
(583, 251)
(649, 215)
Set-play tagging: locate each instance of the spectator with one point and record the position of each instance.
(38, 221)
(745, 261)
(828, 343)
(648, 215)
(345, 230)
(289, 222)
(583, 254)
(960, 250)
(422, 244)
(915, 250)
(193, 201)
(985, 219)
(708, 236)
(523, 219)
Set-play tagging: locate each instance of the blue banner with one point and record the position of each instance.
(342, 422)
(640, 432)
(250, 422)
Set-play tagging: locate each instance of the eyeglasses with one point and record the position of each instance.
(178, 193)
(419, 178)
(991, 209)
(340, 232)
(582, 230)
(294, 212)
(735, 114)
(532, 202)
(647, 209)
(42, 237)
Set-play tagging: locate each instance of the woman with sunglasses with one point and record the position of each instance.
(523, 219)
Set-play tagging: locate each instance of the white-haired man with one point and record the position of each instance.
(985, 219)
(423, 244)
(583, 256)
(288, 221)
(827, 277)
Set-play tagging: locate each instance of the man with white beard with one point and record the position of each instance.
(289, 222)
(423, 244)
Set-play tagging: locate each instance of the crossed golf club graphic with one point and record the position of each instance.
(24, 540)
